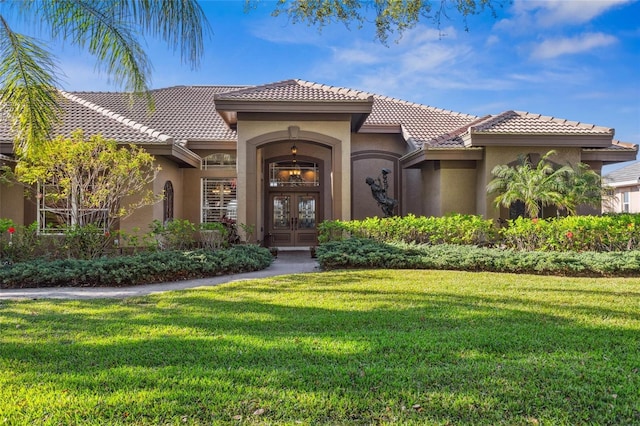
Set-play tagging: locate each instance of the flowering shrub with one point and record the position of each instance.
(573, 233)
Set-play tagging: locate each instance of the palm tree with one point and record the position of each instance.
(583, 186)
(110, 30)
(535, 187)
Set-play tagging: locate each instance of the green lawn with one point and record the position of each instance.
(356, 347)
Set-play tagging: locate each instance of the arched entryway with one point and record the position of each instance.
(294, 199)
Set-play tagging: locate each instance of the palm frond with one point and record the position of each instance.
(27, 78)
(181, 23)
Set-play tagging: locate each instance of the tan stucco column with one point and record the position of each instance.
(253, 134)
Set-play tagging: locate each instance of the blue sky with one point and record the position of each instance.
(573, 59)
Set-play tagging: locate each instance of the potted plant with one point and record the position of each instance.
(212, 235)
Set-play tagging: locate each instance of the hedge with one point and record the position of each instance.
(142, 268)
(367, 253)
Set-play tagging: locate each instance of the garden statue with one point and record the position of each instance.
(379, 192)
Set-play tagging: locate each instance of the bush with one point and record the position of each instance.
(450, 229)
(177, 234)
(367, 253)
(142, 268)
(574, 233)
(619, 232)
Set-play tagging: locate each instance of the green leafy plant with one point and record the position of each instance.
(213, 235)
(176, 234)
(367, 253)
(140, 268)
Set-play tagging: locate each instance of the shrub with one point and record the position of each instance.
(177, 234)
(574, 233)
(450, 229)
(367, 253)
(142, 268)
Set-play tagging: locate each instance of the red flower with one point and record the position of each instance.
(107, 234)
(569, 235)
(534, 220)
(11, 229)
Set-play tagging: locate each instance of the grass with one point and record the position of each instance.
(356, 347)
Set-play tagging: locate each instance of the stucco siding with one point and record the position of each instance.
(255, 133)
(458, 179)
(431, 188)
(144, 216)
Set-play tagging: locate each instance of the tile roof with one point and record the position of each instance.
(421, 123)
(518, 122)
(185, 113)
(625, 174)
(294, 90)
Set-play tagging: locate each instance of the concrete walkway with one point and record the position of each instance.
(288, 262)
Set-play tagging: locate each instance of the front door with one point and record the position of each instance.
(293, 219)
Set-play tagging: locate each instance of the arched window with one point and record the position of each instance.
(167, 206)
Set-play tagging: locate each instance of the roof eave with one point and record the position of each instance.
(415, 158)
(476, 139)
(176, 153)
(229, 109)
(610, 156)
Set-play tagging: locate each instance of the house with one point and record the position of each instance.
(624, 185)
(284, 156)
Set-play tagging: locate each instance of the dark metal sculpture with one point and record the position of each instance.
(379, 192)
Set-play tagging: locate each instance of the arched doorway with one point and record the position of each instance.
(293, 200)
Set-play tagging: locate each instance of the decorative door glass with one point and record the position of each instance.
(306, 212)
(281, 212)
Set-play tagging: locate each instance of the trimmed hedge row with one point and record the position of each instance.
(142, 268)
(367, 253)
(618, 232)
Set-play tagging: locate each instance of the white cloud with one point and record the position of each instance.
(552, 48)
(534, 14)
(552, 13)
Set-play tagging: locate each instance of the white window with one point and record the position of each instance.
(219, 199)
(625, 201)
(219, 160)
(56, 211)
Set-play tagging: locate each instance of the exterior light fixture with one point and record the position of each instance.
(294, 149)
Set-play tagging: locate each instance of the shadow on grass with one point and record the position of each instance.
(323, 352)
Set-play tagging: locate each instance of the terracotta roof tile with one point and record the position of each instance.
(517, 122)
(183, 112)
(294, 90)
(423, 123)
(188, 113)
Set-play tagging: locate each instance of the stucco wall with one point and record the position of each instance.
(458, 181)
(431, 188)
(370, 153)
(615, 203)
(255, 132)
(144, 216)
(12, 203)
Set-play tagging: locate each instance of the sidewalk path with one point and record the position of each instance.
(288, 262)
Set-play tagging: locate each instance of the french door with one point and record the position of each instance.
(293, 219)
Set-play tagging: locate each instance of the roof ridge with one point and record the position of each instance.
(457, 132)
(118, 117)
(335, 89)
(492, 120)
